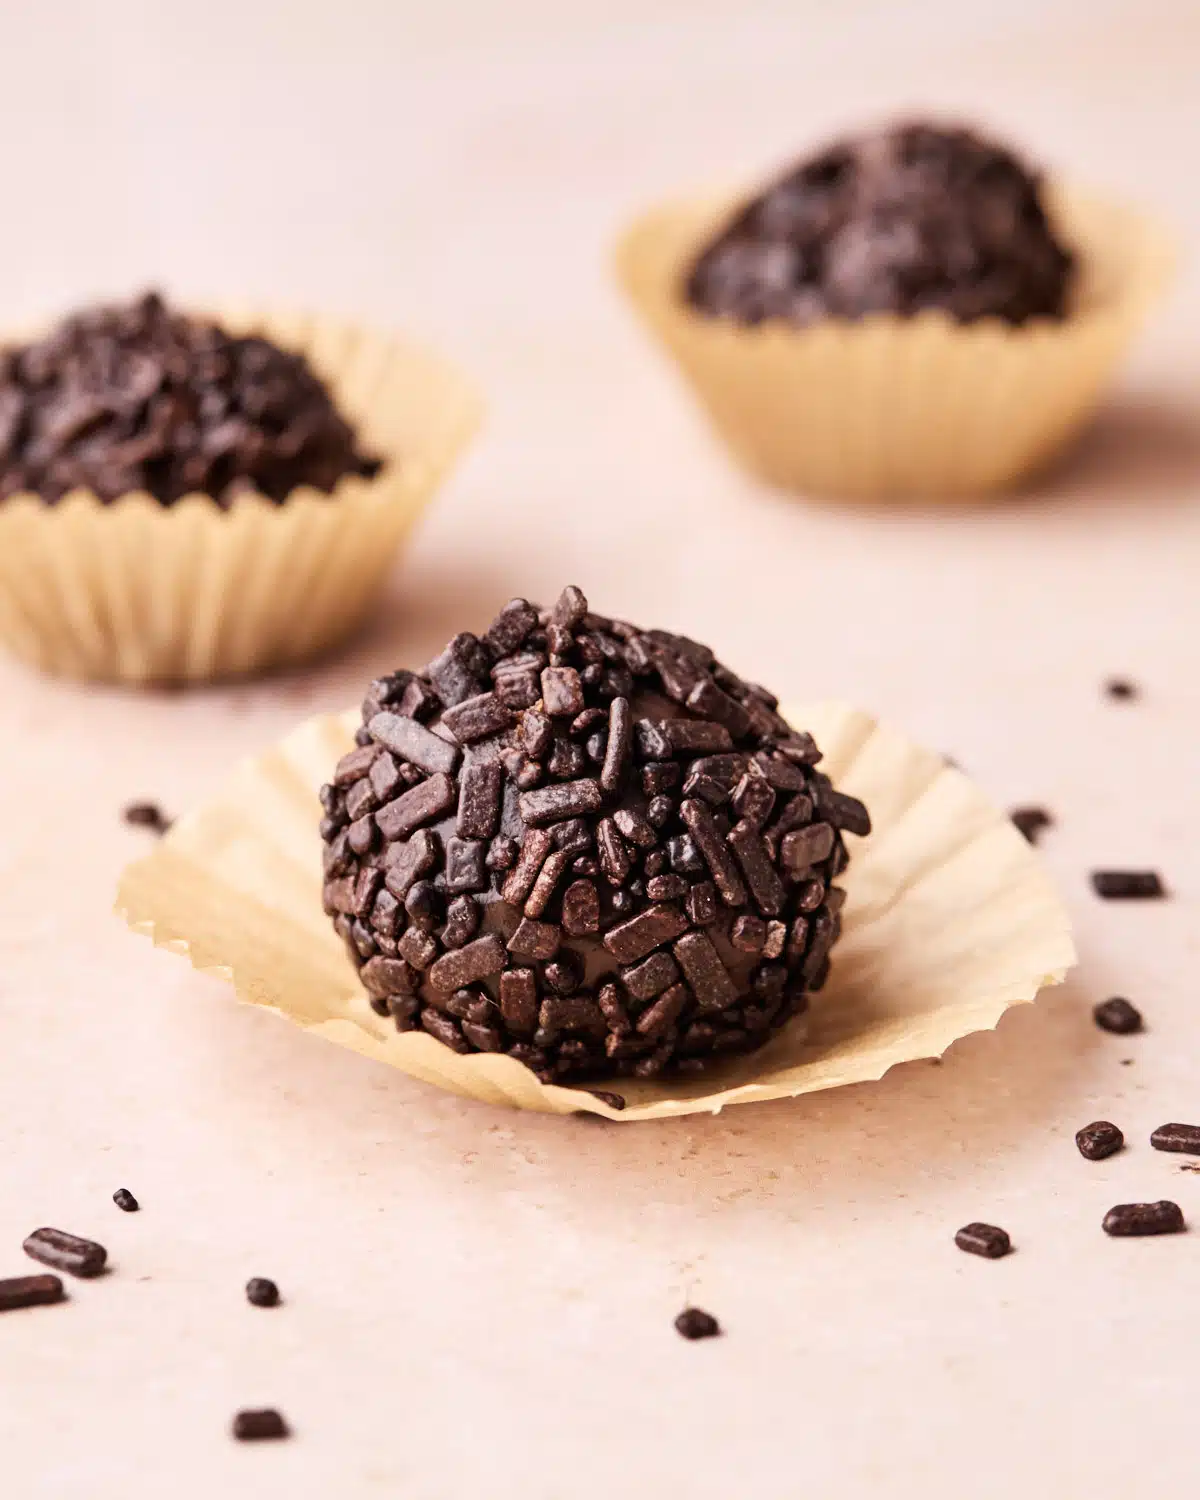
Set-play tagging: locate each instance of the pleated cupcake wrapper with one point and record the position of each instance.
(138, 592)
(950, 919)
(890, 407)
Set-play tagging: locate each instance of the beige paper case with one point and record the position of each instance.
(139, 592)
(892, 407)
(950, 920)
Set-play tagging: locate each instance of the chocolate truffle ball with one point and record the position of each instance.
(917, 216)
(587, 845)
(140, 397)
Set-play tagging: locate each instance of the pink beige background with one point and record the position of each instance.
(480, 1303)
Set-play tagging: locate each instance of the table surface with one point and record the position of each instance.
(481, 1302)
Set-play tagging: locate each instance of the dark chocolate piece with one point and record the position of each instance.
(140, 397)
(614, 1101)
(1031, 822)
(1184, 1138)
(983, 1239)
(66, 1252)
(125, 1201)
(694, 1323)
(262, 1292)
(1117, 1015)
(259, 1426)
(1128, 885)
(899, 220)
(29, 1291)
(1163, 1217)
(1099, 1139)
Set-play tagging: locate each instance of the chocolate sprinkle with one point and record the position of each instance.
(984, 1239)
(1099, 1139)
(258, 1426)
(1117, 1015)
(262, 1292)
(66, 1252)
(694, 1323)
(1185, 1138)
(29, 1291)
(614, 1101)
(1122, 689)
(585, 845)
(141, 397)
(1128, 885)
(1031, 822)
(125, 1201)
(1163, 1217)
(147, 815)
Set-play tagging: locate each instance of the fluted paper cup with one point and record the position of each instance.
(950, 919)
(138, 592)
(889, 407)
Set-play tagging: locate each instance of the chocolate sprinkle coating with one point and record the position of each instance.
(142, 397)
(655, 900)
(898, 220)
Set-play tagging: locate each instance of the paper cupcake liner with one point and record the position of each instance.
(138, 592)
(920, 407)
(949, 920)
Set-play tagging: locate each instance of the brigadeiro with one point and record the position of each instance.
(896, 220)
(185, 498)
(587, 845)
(908, 311)
(143, 397)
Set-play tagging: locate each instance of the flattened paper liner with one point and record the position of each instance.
(888, 407)
(950, 919)
(139, 592)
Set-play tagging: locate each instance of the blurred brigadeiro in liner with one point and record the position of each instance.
(184, 498)
(909, 311)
